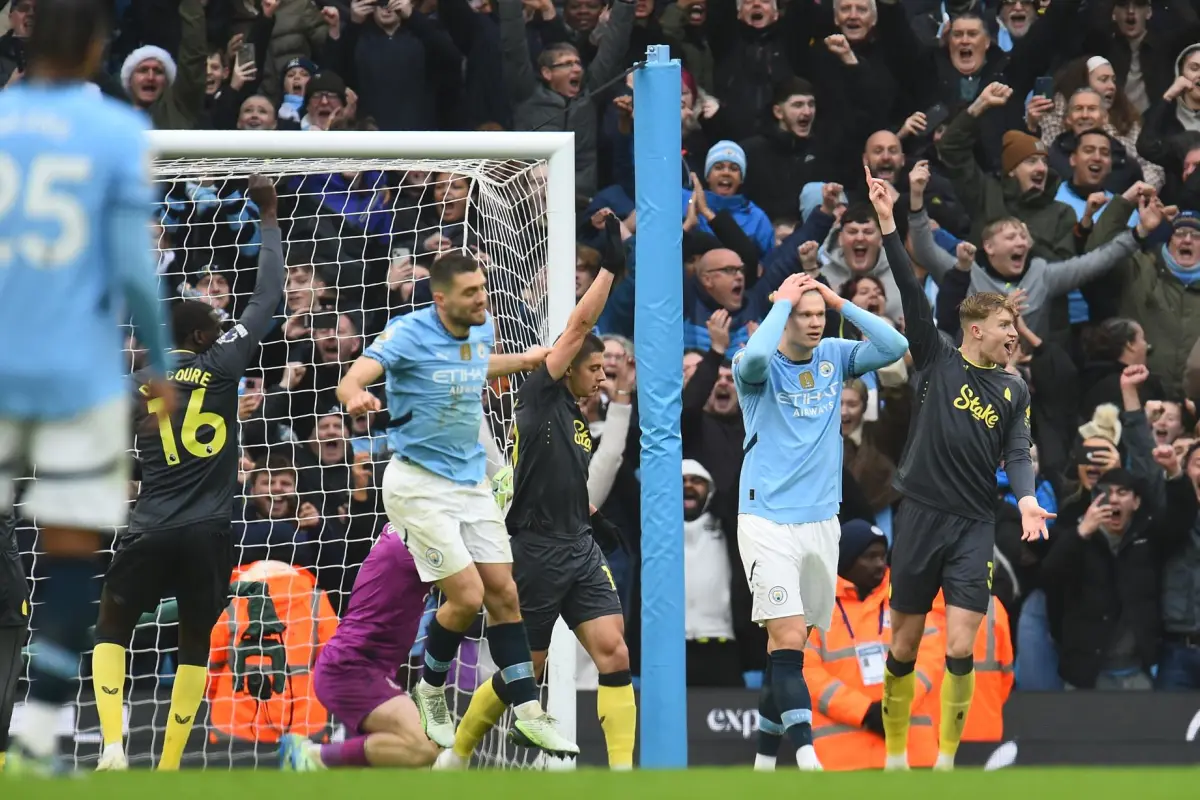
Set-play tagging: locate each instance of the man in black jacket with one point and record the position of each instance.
(1107, 566)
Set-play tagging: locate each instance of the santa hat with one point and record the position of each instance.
(146, 53)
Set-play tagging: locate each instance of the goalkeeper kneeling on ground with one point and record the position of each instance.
(353, 677)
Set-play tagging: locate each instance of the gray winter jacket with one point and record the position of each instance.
(1042, 280)
(539, 108)
(835, 270)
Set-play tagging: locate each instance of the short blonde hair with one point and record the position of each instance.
(980, 306)
(997, 225)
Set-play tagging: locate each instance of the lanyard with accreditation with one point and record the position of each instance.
(871, 655)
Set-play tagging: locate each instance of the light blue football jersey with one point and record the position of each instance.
(792, 471)
(435, 385)
(75, 251)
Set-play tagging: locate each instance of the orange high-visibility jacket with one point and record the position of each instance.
(310, 621)
(993, 672)
(840, 697)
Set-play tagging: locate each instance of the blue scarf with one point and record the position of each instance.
(1186, 275)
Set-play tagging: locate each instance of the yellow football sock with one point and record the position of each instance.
(108, 682)
(617, 710)
(957, 691)
(898, 694)
(2, 757)
(186, 695)
(482, 714)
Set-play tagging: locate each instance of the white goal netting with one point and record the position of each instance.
(359, 236)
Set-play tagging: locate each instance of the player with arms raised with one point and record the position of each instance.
(75, 263)
(972, 415)
(435, 489)
(178, 543)
(355, 674)
(789, 381)
(559, 567)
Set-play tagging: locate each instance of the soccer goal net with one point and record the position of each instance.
(363, 215)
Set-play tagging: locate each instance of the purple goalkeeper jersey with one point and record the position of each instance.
(386, 606)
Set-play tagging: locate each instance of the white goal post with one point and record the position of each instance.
(281, 152)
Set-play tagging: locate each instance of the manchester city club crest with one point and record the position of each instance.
(434, 557)
(777, 595)
(826, 369)
(481, 349)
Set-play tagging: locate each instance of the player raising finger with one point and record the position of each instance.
(559, 567)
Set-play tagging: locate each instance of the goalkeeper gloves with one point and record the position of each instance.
(502, 487)
(613, 257)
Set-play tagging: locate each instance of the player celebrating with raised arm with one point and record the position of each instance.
(74, 264)
(355, 673)
(789, 381)
(972, 416)
(179, 543)
(435, 489)
(558, 565)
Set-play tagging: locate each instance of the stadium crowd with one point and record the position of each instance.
(1022, 140)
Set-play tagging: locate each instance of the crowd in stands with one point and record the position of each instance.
(1047, 149)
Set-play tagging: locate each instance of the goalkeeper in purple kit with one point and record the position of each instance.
(355, 674)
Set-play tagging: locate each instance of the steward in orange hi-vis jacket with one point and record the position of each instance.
(260, 662)
(993, 672)
(844, 666)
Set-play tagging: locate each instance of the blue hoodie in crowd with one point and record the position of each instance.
(364, 206)
(1042, 489)
(749, 217)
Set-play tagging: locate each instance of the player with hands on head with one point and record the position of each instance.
(558, 564)
(973, 416)
(437, 363)
(75, 263)
(788, 379)
(179, 540)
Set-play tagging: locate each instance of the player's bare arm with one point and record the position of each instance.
(584, 316)
(919, 327)
(352, 390)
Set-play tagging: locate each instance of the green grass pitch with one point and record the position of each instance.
(728, 784)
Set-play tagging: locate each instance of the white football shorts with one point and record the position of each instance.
(447, 526)
(791, 569)
(80, 467)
